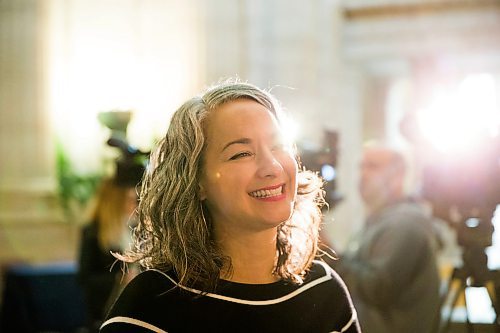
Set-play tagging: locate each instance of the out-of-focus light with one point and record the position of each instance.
(478, 94)
(472, 222)
(456, 121)
(289, 128)
(328, 172)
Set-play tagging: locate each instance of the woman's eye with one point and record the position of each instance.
(240, 155)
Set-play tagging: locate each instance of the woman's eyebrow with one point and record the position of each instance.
(243, 141)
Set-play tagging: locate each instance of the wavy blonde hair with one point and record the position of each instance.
(175, 229)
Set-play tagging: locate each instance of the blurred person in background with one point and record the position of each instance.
(107, 232)
(391, 268)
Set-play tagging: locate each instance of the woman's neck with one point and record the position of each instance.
(253, 257)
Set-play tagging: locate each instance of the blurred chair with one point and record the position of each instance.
(42, 298)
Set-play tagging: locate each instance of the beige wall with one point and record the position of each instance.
(29, 216)
(62, 62)
(329, 70)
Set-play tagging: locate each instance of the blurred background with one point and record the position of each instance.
(423, 75)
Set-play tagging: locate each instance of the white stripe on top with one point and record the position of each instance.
(133, 321)
(305, 287)
(349, 323)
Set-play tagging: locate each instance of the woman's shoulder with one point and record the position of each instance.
(155, 276)
(333, 293)
(320, 269)
(138, 300)
(322, 274)
(149, 283)
(146, 286)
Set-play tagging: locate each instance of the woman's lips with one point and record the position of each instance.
(271, 193)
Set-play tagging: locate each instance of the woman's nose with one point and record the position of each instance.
(268, 164)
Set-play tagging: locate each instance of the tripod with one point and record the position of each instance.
(466, 278)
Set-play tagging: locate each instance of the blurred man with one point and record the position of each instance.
(392, 274)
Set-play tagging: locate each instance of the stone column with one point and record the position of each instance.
(30, 221)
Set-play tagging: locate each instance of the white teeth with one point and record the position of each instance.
(267, 193)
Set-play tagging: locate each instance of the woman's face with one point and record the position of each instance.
(249, 172)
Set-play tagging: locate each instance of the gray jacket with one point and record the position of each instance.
(393, 275)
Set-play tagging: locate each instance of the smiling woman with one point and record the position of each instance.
(248, 182)
(228, 229)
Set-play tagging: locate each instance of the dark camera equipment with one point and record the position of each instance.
(131, 163)
(323, 159)
(464, 190)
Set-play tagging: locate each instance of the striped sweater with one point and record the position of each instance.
(155, 302)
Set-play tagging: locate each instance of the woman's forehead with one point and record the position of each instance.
(241, 114)
(240, 117)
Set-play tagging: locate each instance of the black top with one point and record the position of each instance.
(155, 302)
(95, 274)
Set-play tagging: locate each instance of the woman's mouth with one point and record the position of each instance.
(267, 193)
